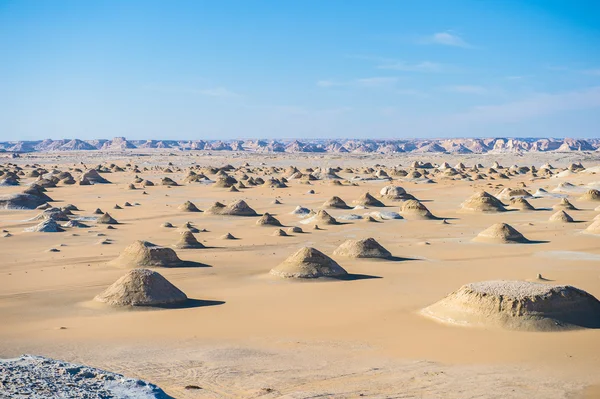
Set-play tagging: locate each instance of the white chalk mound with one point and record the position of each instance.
(142, 287)
(501, 233)
(308, 262)
(518, 305)
(365, 248)
(146, 254)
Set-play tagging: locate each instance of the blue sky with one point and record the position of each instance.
(299, 69)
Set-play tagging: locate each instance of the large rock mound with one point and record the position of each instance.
(591, 195)
(308, 262)
(237, 208)
(22, 201)
(518, 305)
(146, 254)
(483, 202)
(368, 200)
(335, 202)
(593, 228)
(501, 233)
(142, 287)
(365, 248)
(561, 217)
(395, 193)
(413, 209)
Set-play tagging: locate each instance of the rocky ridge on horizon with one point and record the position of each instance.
(419, 146)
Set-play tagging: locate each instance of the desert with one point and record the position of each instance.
(321, 275)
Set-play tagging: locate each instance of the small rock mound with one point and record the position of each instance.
(483, 202)
(323, 217)
(106, 219)
(591, 195)
(299, 210)
(522, 204)
(518, 305)
(564, 204)
(501, 233)
(280, 233)
(593, 228)
(46, 226)
(561, 217)
(187, 240)
(146, 254)
(142, 287)
(268, 220)
(368, 200)
(76, 223)
(365, 248)
(188, 206)
(308, 262)
(227, 236)
(415, 210)
(335, 202)
(237, 208)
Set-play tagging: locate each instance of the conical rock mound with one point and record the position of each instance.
(415, 210)
(142, 287)
(501, 233)
(368, 200)
(308, 262)
(237, 208)
(106, 219)
(561, 217)
(47, 226)
(268, 220)
(187, 240)
(522, 204)
(593, 228)
(483, 202)
(564, 204)
(395, 193)
(335, 202)
(365, 248)
(591, 195)
(188, 206)
(322, 217)
(146, 254)
(518, 305)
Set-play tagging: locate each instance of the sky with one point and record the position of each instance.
(299, 69)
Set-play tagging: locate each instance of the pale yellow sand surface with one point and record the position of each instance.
(261, 336)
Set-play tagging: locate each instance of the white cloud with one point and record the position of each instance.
(376, 81)
(595, 72)
(538, 105)
(211, 92)
(467, 89)
(373, 82)
(445, 39)
(217, 92)
(425, 66)
(515, 77)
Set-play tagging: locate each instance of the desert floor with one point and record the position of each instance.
(259, 336)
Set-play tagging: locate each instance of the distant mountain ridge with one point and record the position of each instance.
(420, 146)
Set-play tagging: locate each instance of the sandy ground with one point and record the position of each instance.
(259, 336)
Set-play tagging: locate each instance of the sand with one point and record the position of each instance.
(257, 335)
